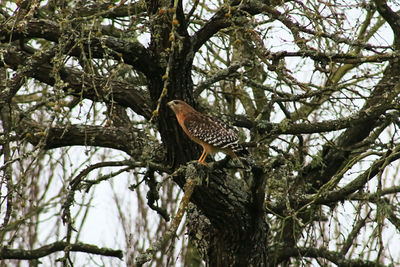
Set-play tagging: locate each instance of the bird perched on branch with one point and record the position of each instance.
(212, 134)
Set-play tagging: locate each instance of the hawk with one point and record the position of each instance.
(209, 132)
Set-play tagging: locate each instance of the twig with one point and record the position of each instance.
(165, 77)
(170, 233)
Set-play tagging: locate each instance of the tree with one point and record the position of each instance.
(312, 87)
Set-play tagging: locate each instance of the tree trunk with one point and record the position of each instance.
(227, 222)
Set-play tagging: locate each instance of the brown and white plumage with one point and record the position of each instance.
(212, 134)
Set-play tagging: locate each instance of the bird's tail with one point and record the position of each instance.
(241, 154)
(239, 150)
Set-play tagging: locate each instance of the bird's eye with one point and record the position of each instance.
(175, 102)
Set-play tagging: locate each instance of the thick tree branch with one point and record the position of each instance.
(124, 139)
(335, 257)
(288, 127)
(132, 52)
(391, 17)
(216, 23)
(82, 84)
(21, 254)
(374, 197)
(339, 58)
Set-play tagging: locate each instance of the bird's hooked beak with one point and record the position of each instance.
(171, 105)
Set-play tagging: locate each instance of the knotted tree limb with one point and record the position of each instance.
(22, 254)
